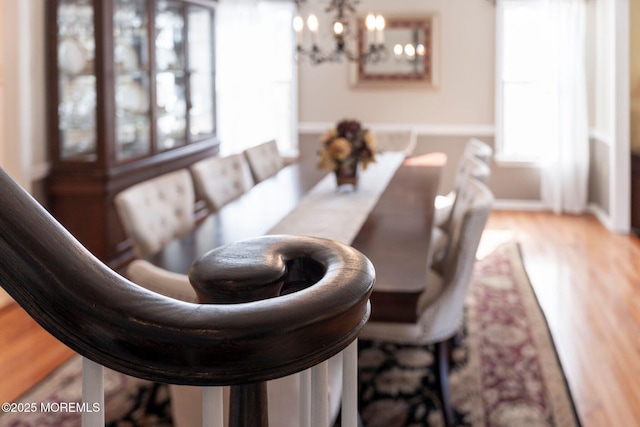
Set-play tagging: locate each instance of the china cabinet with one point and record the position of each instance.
(131, 95)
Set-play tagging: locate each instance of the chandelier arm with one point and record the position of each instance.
(376, 54)
(343, 9)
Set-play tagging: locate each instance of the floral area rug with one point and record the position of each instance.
(505, 369)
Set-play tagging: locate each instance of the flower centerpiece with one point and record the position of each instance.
(344, 147)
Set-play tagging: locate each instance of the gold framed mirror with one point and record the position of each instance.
(411, 55)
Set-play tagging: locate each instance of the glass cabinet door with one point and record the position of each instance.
(77, 80)
(201, 72)
(131, 64)
(160, 86)
(171, 76)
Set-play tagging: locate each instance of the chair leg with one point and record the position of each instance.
(457, 340)
(442, 356)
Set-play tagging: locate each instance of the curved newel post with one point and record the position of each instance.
(271, 306)
(322, 284)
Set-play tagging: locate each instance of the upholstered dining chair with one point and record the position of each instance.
(403, 141)
(159, 280)
(450, 213)
(480, 149)
(156, 211)
(440, 306)
(283, 394)
(264, 160)
(219, 180)
(468, 164)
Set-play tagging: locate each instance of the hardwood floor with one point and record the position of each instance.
(28, 353)
(588, 284)
(586, 278)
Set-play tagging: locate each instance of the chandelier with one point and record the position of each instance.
(371, 46)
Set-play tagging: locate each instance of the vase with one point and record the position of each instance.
(347, 174)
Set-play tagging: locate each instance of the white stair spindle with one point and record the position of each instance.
(305, 398)
(349, 415)
(92, 394)
(212, 407)
(320, 395)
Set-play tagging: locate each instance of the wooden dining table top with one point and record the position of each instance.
(395, 236)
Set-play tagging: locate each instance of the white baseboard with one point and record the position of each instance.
(601, 215)
(537, 205)
(518, 205)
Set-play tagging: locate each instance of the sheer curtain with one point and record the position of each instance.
(255, 74)
(564, 180)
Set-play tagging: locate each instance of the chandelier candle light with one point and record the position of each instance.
(344, 17)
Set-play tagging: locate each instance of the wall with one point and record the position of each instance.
(464, 100)
(598, 76)
(23, 133)
(526, 194)
(611, 26)
(466, 69)
(634, 69)
(446, 116)
(599, 172)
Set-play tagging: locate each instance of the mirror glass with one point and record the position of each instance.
(409, 47)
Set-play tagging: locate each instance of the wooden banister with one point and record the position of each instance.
(271, 306)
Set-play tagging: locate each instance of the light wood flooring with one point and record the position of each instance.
(588, 283)
(586, 278)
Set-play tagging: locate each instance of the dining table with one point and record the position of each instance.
(388, 216)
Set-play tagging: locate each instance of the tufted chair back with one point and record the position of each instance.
(474, 200)
(218, 180)
(156, 211)
(264, 160)
(440, 307)
(156, 279)
(403, 141)
(470, 165)
(479, 149)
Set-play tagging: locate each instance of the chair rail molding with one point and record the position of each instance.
(439, 129)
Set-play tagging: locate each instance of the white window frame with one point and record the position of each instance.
(500, 157)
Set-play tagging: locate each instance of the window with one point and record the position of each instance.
(522, 85)
(256, 75)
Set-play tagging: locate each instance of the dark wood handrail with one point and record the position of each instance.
(313, 300)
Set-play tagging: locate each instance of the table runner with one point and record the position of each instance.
(328, 212)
